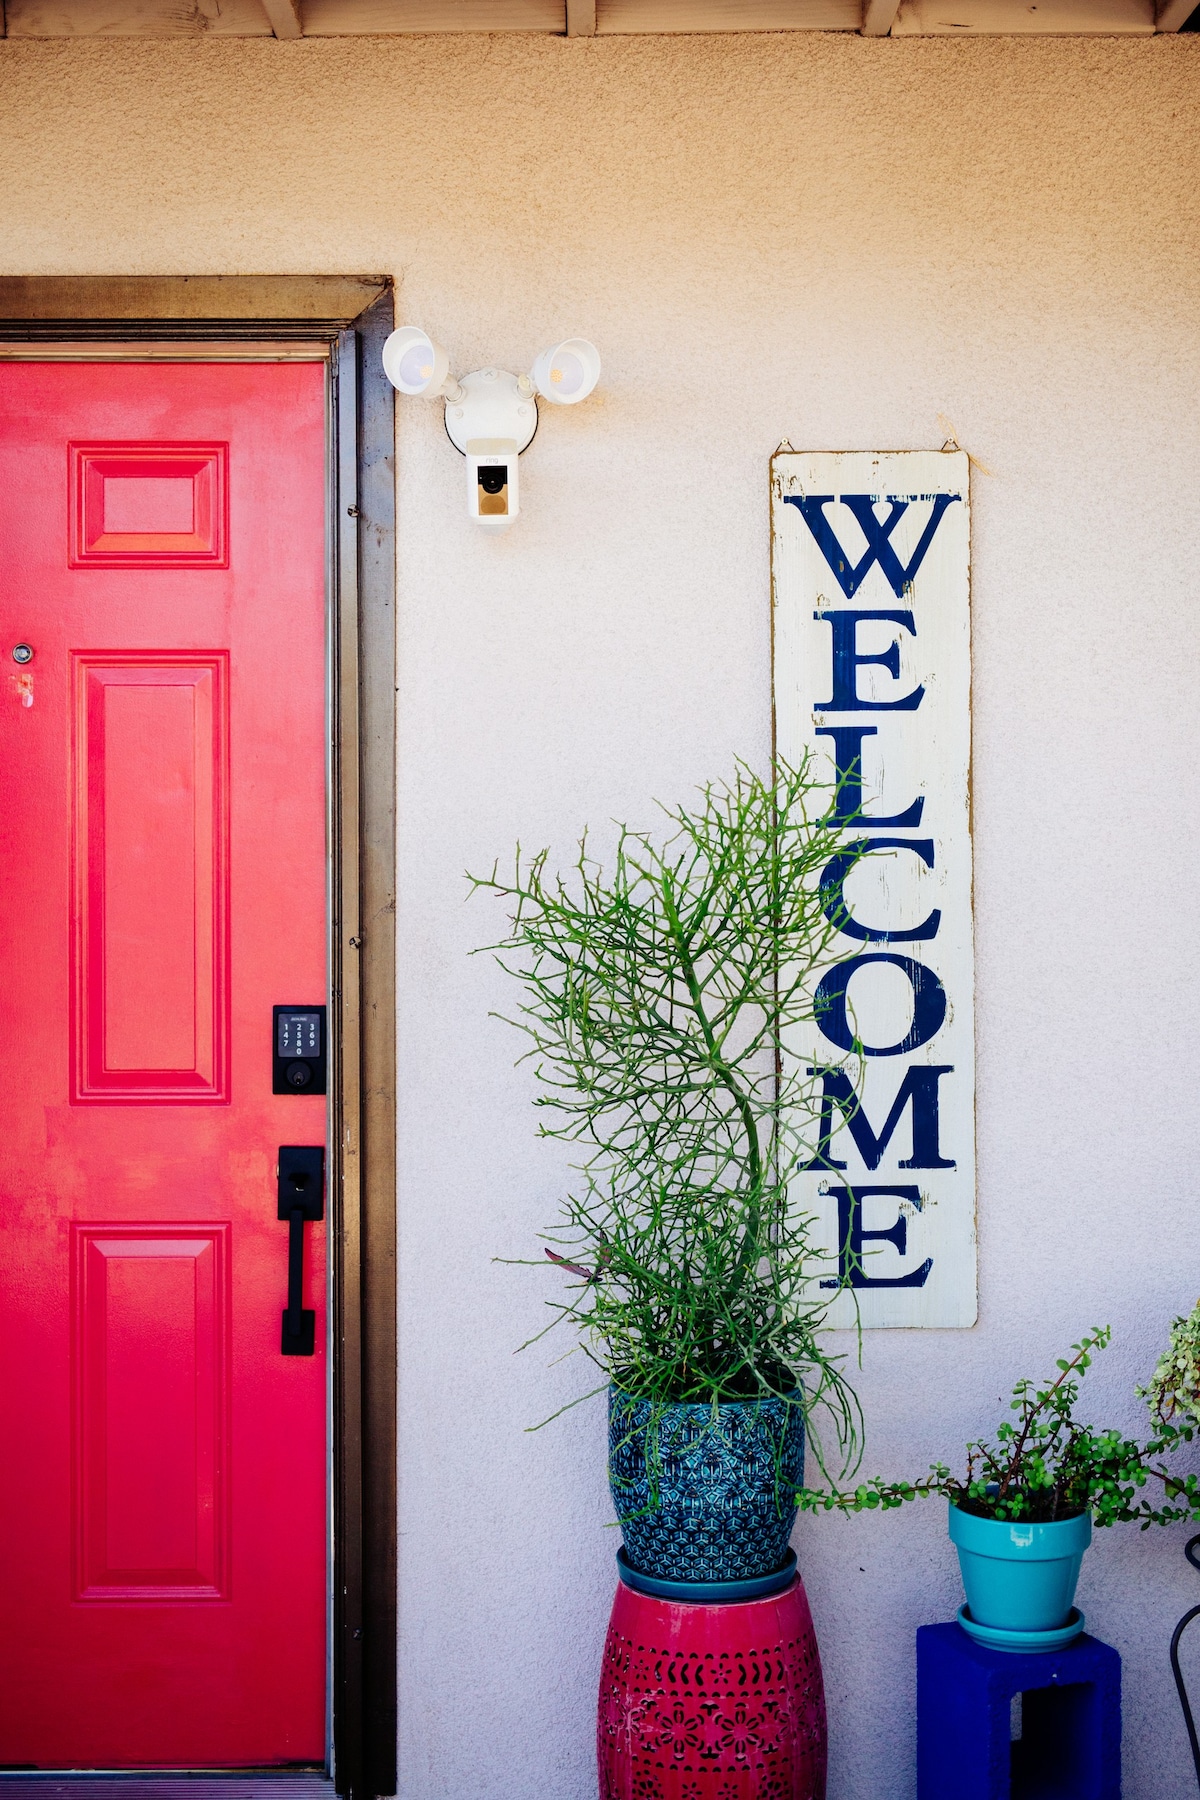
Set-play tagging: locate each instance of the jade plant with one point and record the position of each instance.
(658, 993)
(1044, 1465)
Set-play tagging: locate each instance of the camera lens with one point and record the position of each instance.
(493, 480)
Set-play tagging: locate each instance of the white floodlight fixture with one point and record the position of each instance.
(491, 416)
(416, 365)
(567, 372)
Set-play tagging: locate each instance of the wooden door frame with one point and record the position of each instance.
(91, 315)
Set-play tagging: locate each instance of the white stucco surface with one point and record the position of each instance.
(831, 239)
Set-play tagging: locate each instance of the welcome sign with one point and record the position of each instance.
(872, 652)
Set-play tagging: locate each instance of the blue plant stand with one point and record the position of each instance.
(1070, 1742)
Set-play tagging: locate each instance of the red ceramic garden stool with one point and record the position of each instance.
(711, 1702)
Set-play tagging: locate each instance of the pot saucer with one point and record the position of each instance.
(1022, 1643)
(708, 1593)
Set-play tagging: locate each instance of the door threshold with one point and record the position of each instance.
(165, 1784)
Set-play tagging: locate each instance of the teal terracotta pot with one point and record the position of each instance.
(1019, 1577)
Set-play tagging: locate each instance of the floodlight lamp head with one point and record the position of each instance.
(567, 372)
(415, 365)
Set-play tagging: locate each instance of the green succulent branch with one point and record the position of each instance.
(657, 993)
(1045, 1466)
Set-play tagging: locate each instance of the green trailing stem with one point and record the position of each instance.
(1045, 1466)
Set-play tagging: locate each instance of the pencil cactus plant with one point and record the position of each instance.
(658, 993)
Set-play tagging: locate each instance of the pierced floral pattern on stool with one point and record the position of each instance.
(711, 1702)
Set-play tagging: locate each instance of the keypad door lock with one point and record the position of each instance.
(298, 1050)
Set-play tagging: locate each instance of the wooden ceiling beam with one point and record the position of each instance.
(1048, 18)
(285, 18)
(293, 19)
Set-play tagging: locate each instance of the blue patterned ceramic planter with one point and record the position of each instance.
(705, 1494)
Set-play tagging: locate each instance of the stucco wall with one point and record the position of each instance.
(834, 240)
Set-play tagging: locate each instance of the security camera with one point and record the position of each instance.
(491, 416)
(491, 421)
(492, 488)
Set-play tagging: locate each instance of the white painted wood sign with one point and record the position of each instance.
(872, 636)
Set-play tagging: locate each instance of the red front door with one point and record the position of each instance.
(163, 1540)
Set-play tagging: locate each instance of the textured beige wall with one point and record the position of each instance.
(834, 240)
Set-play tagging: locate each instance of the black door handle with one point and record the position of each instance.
(301, 1172)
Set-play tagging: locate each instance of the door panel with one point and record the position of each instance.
(163, 1533)
(151, 1352)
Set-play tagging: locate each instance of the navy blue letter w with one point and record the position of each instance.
(878, 533)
